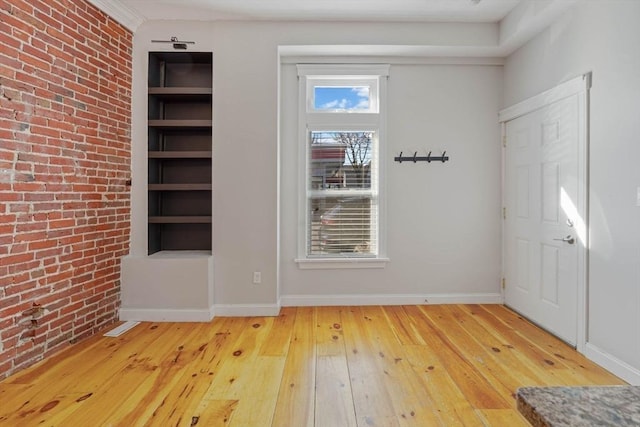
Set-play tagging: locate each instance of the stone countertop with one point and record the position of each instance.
(617, 406)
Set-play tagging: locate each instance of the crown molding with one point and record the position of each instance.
(125, 15)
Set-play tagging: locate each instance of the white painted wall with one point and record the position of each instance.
(603, 37)
(443, 220)
(467, 198)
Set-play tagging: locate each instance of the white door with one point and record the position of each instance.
(544, 228)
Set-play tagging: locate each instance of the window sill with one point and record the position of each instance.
(339, 263)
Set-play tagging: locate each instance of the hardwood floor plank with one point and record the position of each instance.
(258, 398)
(296, 398)
(390, 421)
(167, 395)
(55, 411)
(411, 402)
(277, 343)
(236, 370)
(464, 372)
(329, 333)
(370, 395)
(333, 396)
(450, 404)
(121, 390)
(402, 326)
(502, 418)
(101, 349)
(334, 399)
(13, 396)
(164, 378)
(177, 406)
(546, 368)
(495, 365)
(245, 376)
(578, 363)
(84, 375)
(445, 366)
(520, 344)
(216, 413)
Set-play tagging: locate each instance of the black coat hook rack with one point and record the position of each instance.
(428, 158)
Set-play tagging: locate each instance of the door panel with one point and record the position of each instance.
(550, 193)
(523, 192)
(541, 169)
(522, 265)
(550, 274)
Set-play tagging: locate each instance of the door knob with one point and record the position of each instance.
(569, 239)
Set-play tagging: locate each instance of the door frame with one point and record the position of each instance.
(577, 86)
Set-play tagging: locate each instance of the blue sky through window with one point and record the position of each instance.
(341, 98)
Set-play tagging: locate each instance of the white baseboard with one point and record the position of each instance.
(166, 315)
(246, 310)
(382, 299)
(613, 364)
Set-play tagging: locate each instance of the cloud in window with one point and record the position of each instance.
(363, 104)
(362, 91)
(342, 104)
(345, 98)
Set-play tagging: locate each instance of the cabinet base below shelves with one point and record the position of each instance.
(177, 283)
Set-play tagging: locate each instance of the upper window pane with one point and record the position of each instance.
(340, 160)
(341, 98)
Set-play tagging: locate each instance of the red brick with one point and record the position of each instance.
(21, 268)
(67, 78)
(17, 259)
(43, 244)
(11, 307)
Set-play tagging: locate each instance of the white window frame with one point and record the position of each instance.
(372, 119)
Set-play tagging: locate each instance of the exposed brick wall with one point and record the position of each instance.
(65, 120)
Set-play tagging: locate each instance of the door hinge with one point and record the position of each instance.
(504, 140)
(504, 213)
(504, 283)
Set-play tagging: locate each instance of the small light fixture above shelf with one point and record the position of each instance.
(177, 43)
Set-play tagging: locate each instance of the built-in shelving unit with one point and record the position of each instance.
(179, 151)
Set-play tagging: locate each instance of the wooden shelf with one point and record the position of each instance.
(179, 187)
(180, 123)
(179, 219)
(179, 154)
(179, 145)
(184, 57)
(179, 91)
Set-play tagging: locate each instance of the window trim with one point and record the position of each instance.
(310, 119)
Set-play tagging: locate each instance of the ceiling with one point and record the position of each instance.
(334, 10)
(516, 21)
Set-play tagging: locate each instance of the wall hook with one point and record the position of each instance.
(428, 158)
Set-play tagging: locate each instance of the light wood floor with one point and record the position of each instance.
(331, 366)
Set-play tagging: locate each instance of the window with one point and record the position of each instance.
(342, 133)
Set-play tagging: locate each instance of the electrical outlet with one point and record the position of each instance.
(257, 277)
